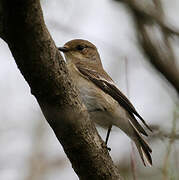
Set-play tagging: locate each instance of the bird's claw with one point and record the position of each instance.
(108, 148)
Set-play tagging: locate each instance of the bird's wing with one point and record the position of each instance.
(104, 82)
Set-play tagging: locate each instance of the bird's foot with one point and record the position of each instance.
(108, 148)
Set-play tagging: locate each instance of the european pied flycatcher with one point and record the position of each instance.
(106, 104)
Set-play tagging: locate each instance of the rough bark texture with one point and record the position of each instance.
(22, 27)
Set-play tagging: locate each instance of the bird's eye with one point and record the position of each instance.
(80, 47)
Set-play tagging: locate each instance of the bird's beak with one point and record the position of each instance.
(63, 49)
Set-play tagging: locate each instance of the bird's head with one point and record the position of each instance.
(80, 51)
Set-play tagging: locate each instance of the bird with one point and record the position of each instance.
(106, 104)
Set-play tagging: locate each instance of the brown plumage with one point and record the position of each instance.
(106, 104)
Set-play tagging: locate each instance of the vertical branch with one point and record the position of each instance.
(133, 162)
(37, 164)
(132, 154)
(126, 76)
(169, 148)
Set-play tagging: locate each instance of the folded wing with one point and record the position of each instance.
(104, 82)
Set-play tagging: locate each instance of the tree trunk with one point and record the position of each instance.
(22, 27)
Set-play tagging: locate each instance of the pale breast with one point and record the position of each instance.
(92, 96)
(100, 105)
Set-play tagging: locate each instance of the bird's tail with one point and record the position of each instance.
(143, 148)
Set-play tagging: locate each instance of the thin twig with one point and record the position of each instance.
(169, 148)
(132, 154)
(133, 162)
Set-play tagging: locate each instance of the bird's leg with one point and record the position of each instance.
(107, 136)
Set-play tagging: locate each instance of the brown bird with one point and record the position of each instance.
(106, 104)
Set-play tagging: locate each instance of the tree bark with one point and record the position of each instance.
(22, 27)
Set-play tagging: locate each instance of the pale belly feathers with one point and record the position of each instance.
(103, 109)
